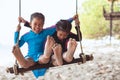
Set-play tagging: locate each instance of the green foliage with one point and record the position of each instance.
(93, 23)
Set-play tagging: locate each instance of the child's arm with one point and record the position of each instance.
(26, 23)
(76, 36)
(72, 35)
(52, 29)
(16, 36)
(73, 18)
(76, 18)
(77, 23)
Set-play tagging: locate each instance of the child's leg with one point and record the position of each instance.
(25, 63)
(57, 57)
(48, 50)
(68, 55)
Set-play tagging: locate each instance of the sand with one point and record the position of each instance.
(104, 66)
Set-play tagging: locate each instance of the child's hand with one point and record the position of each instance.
(21, 20)
(77, 22)
(75, 16)
(18, 28)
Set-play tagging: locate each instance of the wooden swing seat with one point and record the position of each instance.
(16, 70)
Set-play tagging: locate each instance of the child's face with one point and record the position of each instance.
(36, 25)
(61, 34)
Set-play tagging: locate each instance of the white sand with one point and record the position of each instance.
(105, 66)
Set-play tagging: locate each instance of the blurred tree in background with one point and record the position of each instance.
(92, 21)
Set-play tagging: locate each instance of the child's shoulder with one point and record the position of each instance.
(26, 34)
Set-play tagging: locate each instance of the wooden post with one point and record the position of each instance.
(111, 25)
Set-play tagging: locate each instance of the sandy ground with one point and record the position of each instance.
(105, 66)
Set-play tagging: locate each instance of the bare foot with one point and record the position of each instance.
(57, 49)
(48, 46)
(43, 59)
(68, 55)
(47, 51)
(25, 63)
(16, 50)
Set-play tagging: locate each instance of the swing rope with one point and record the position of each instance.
(19, 8)
(78, 28)
(76, 6)
(16, 64)
(19, 16)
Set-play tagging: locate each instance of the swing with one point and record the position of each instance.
(82, 57)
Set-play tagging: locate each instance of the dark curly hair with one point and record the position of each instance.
(64, 25)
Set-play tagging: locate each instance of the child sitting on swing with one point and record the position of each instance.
(65, 41)
(35, 39)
